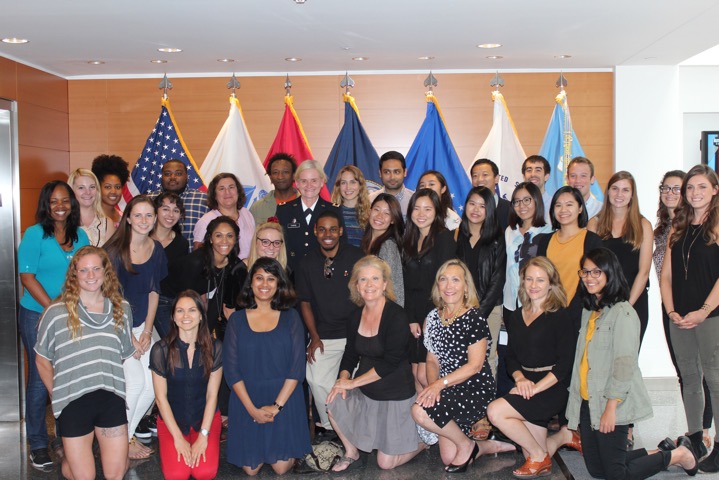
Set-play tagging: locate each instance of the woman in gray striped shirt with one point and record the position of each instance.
(83, 339)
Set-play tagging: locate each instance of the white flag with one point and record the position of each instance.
(503, 148)
(234, 152)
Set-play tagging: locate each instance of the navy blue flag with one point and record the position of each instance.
(164, 143)
(432, 149)
(353, 147)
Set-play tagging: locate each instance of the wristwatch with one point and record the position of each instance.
(204, 432)
(445, 382)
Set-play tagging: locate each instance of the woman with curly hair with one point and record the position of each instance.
(350, 192)
(97, 225)
(186, 374)
(83, 340)
(43, 257)
(112, 173)
(226, 196)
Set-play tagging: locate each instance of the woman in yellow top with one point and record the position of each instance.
(603, 404)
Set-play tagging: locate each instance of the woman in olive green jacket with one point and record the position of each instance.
(607, 392)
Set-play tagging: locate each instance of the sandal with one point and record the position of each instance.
(352, 464)
(137, 451)
(576, 442)
(532, 469)
(480, 431)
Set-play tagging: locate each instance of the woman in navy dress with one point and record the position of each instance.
(264, 361)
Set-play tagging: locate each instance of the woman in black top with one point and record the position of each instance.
(427, 244)
(372, 410)
(186, 374)
(170, 211)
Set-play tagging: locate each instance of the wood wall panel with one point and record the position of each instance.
(41, 88)
(42, 127)
(41, 165)
(8, 78)
(392, 108)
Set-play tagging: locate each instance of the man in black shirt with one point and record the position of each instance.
(322, 289)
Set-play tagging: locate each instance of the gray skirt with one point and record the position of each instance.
(368, 424)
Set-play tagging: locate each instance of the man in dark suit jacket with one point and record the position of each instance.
(298, 216)
(486, 174)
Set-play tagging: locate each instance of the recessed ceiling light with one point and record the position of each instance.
(96, 62)
(300, 2)
(225, 60)
(425, 58)
(494, 57)
(293, 59)
(360, 59)
(489, 45)
(15, 40)
(169, 50)
(158, 61)
(562, 57)
(649, 58)
(346, 48)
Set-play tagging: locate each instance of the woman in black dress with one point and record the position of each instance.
(539, 359)
(460, 380)
(427, 244)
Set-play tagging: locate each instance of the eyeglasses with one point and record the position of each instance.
(675, 190)
(522, 201)
(328, 267)
(266, 243)
(596, 273)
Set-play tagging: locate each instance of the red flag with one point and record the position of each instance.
(291, 139)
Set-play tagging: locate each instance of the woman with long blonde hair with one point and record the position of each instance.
(97, 225)
(269, 241)
(83, 339)
(350, 192)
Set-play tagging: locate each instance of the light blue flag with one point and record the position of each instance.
(553, 148)
(432, 149)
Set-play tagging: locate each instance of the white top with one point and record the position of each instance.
(245, 221)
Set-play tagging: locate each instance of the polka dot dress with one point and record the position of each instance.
(467, 402)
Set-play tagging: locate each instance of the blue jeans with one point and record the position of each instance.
(36, 393)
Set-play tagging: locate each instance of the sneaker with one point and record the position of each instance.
(152, 424)
(143, 429)
(40, 459)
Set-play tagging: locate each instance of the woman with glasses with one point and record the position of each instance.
(607, 392)
(629, 235)
(383, 237)
(690, 292)
(269, 242)
(350, 193)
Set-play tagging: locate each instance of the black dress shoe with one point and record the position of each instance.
(452, 468)
(686, 443)
(667, 445)
(711, 463)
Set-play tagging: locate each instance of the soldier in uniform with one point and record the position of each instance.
(298, 216)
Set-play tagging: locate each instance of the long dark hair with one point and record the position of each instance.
(394, 231)
(207, 252)
(616, 290)
(445, 200)
(175, 199)
(285, 295)
(664, 222)
(204, 338)
(490, 230)
(411, 232)
(118, 246)
(212, 191)
(44, 218)
(684, 213)
(583, 218)
(536, 194)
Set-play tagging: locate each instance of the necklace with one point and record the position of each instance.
(218, 291)
(685, 261)
(449, 318)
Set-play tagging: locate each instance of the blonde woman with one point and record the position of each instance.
(350, 192)
(86, 187)
(269, 242)
(83, 340)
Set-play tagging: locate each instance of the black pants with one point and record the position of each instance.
(606, 456)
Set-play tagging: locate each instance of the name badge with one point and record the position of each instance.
(293, 224)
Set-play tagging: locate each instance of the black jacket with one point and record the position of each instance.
(488, 274)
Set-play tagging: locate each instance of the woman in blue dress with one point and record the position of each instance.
(264, 361)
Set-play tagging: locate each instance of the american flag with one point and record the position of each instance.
(164, 143)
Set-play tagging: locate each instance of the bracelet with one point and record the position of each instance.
(706, 308)
(146, 332)
(279, 407)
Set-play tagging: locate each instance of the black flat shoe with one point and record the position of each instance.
(667, 445)
(452, 468)
(686, 443)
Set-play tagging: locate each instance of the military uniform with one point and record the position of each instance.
(299, 235)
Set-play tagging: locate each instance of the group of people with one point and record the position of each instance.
(400, 321)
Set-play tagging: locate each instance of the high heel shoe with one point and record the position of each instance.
(452, 468)
(576, 442)
(532, 469)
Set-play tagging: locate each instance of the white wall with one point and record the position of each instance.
(699, 105)
(648, 142)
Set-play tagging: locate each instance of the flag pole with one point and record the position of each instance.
(233, 84)
(496, 81)
(347, 83)
(430, 82)
(165, 85)
(561, 99)
(288, 86)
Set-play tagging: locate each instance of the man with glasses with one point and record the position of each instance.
(298, 216)
(322, 290)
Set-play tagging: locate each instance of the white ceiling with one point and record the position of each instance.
(326, 34)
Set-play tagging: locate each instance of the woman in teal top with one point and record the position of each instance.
(43, 257)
